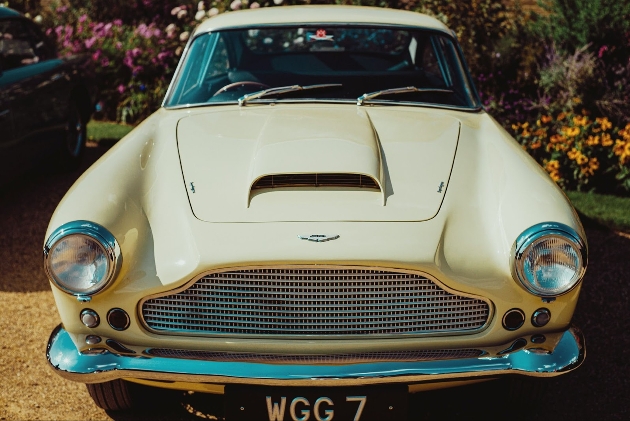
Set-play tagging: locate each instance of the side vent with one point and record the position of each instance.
(316, 180)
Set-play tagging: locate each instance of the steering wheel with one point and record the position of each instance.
(239, 85)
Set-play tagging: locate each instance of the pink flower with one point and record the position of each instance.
(236, 5)
(83, 18)
(62, 9)
(96, 55)
(117, 22)
(119, 45)
(121, 89)
(213, 12)
(254, 5)
(105, 62)
(602, 50)
(90, 42)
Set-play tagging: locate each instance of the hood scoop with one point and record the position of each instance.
(279, 181)
(316, 163)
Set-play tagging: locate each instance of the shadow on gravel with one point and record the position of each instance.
(26, 205)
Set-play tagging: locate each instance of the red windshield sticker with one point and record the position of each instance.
(320, 35)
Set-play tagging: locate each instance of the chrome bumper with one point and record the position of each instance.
(70, 363)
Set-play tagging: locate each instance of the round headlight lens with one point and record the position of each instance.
(550, 261)
(81, 257)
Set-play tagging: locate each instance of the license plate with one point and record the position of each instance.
(315, 403)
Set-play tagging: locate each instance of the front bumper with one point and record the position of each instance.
(69, 362)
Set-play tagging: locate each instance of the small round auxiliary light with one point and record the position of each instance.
(118, 319)
(89, 318)
(513, 319)
(541, 317)
(92, 339)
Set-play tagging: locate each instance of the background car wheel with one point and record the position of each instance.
(73, 145)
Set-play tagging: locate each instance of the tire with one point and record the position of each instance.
(123, 396)
(73, 139)
(112, 396)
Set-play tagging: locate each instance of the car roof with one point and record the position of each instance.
(314, 14)
(5, 12)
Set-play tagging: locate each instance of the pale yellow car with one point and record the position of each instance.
(320, 221)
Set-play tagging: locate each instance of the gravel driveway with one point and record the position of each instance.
(600, 389)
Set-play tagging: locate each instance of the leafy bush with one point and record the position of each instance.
(601, 29)
(579, 153)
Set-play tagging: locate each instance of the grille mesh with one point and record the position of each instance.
(315, 180)
(314, 302)
(365, 357)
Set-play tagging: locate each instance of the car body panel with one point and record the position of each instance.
(225, 150)
(320, 14)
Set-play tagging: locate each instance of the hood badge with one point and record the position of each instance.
(318, 238)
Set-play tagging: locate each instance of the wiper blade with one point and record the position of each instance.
(283, 90)
(406, 89)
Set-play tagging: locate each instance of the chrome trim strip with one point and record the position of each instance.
(439, 284)
(91, 367)
(96, 232)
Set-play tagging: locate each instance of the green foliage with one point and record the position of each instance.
(572, 24)
(101, 130)
(608, 210)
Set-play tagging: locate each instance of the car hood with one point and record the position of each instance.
(406, 154)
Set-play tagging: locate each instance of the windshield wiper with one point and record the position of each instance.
(367, 97)
(283, 90)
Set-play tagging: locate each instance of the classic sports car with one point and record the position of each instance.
(45, 100)
(320, 220)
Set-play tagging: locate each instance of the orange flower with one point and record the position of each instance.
(580, 121)
(535, 145)
(592, 140)
(555, 176)
(515, 126)
(573, 153)
(593, 164)
(577, 100)
(540, 132)
(619, 147)
(606, 140)
(604, 123)
(571, 131)
(561, 116)
(552, 165)
(556, 138)
(546, 119)
(581, 159)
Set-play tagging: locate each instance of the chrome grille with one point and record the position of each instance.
(315, 180)
(313, 301)
(360, 358)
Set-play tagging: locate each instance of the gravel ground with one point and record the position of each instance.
(600, 389)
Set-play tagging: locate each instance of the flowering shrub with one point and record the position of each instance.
(579, 152)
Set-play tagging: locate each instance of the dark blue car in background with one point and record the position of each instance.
(45, 100)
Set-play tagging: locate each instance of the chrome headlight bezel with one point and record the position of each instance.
(95, 232)
(528, 237)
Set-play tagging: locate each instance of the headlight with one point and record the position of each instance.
(81, 257)
(549, 259)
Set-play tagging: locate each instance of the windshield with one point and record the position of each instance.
(347, 61)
